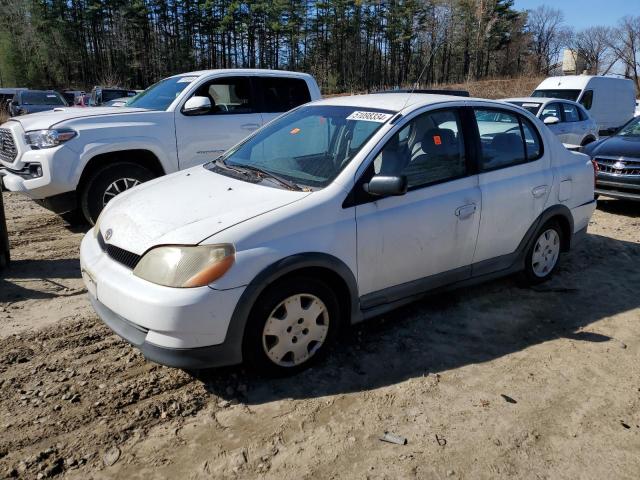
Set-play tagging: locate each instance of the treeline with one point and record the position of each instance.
(348, 45)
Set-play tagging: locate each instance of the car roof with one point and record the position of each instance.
(243, 71)
(541, 100)
(394, 102)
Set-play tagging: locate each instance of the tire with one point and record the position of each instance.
(543, 256)
(104, 184)
(305, 339)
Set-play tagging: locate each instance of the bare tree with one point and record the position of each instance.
(626, 46)
(548, 36)
(593, 44)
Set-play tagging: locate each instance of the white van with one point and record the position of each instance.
(609, 100)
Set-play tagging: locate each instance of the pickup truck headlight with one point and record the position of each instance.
(49, 138)
(185, 266)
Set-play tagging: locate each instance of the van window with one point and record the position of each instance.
(587, 99)
(511, 141)
(562, 94)
(283, 94)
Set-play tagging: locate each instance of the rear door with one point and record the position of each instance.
(235, 115)
(515, 181)
(426, 237)
(575, 127)
(280, 94)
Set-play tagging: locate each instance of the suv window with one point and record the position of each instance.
(228, 95)
(587, 99)
(282, 94)
(512, 141)
(428, 150)
(551, 110)
(570, 113)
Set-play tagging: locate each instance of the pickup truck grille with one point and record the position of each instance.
(120, 255)
(8, 150)
(623, 166)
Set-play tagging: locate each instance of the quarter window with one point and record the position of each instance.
(283, 94)
(228, 95)
(511, 141)
(429, 149)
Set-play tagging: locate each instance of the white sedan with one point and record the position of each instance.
(568, 120)
(335, 212)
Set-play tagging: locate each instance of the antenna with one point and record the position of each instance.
(415, 85)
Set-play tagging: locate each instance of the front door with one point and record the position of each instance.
(426, 237)
(233, 116)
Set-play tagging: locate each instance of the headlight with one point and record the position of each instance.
(49, 138)
(184, 267)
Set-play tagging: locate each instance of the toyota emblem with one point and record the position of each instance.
(108, 234)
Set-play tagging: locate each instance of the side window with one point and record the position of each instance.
(587, 99)
(570, 113)
(511, 141)
(551, 110)
(228, 95)
(428, 150)
(283, 94)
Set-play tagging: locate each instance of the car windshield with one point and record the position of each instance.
(160, 95)
(108, 95)
(42, 98)
(532, 107)
(632, 129)
(309, 146)
(563, 94)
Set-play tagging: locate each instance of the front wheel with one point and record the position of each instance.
(542, 258)
(291, 326)
(108, 182)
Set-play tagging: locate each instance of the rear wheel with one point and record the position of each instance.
(108, 182)
(291, 326)
(544, 254)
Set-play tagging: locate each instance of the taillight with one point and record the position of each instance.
(596, 169)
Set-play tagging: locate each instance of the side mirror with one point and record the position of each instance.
(551, 120)
(197, 106)
(383, 185)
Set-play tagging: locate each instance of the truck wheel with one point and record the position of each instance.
(106, 183)
(544, 254)
(291, 326)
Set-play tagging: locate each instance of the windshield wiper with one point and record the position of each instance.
(264, 173)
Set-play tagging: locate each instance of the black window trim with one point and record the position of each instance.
(521, 119)
(357, 195)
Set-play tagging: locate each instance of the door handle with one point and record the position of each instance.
(250, 126)
(539, 191)
(465, 211)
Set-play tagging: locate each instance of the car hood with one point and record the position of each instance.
(186, 208)
(48, 119)
(616, 146)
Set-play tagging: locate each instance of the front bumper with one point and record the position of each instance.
(180, 327)
(622, 187)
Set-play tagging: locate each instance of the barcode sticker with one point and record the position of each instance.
(370, 116)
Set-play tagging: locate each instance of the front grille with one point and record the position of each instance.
(8, 150)
(619, 166)
(120, 255)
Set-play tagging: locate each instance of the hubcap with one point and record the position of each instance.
(295, 330)
(117, 187)
(545, 253)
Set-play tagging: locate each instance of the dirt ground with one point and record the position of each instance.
(493, 381)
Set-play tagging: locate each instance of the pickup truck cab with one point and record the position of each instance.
(337, 211)
(82, 158)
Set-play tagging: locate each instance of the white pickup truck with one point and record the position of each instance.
(77, 159)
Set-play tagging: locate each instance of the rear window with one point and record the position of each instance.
(283, 94)
(42, 98)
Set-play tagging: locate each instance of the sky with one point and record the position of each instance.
(586, 13)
